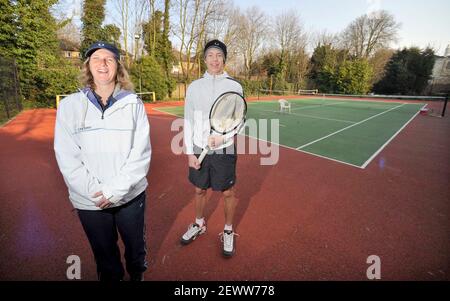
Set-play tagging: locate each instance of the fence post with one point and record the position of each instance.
(17, 89)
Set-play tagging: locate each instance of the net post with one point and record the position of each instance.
(153, 97)
(445, 105)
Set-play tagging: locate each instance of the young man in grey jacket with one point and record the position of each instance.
(218, 169)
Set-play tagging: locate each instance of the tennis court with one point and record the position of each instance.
(350, 131)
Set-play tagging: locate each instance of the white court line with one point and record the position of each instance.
(390, 139)
(346, 128)
(302, 151)
(309, 116)
(168, 112)
(324, 118)
(318, 106)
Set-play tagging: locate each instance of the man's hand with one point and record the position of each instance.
(193, 162)
(215, 141)
(103, 203)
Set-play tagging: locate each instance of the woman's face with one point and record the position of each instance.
(103, 66)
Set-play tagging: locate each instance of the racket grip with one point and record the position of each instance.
(203, 154)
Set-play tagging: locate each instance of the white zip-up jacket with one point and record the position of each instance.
(200, 97)
(102, 151)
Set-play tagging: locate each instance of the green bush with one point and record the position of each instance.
(251, 87)
(53, 81)
(149, 75)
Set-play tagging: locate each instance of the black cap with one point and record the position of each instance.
(216, 44)
(102, 45)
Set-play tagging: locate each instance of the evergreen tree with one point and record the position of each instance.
(111, 34)
(34, 45)
(158, 45)
(149, 75)
(8, 28)
(167, 55)
(407, 72)
(92, 19)
(153, 36)
(353, 77)
(325, 62)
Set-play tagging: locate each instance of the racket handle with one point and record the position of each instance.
(203, 154)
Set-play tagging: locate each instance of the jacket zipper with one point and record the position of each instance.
(214, 87)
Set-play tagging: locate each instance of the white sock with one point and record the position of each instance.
(200, 221)
(228, 228)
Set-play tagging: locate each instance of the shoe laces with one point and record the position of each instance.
(193, 228)
(227, 238)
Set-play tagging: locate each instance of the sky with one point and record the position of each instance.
(423, 22)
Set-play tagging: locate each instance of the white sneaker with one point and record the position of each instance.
(193, 231)
(227, 237)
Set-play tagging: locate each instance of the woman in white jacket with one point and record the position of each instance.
(102, 146)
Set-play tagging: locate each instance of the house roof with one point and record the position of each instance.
(67, 45)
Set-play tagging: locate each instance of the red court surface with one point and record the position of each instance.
(305, 218)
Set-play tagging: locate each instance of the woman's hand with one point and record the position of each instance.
(103, 203)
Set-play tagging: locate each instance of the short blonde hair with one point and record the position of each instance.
(122, 77)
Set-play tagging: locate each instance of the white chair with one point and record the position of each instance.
(285, 106)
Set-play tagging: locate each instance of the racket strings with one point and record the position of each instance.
(228, 112)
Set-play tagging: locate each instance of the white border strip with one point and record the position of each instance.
(390, 139)
(302, 151)
(346, 128)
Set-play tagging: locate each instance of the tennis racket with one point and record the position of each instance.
(227, 116)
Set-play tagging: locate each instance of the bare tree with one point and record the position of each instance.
(193, 16)
(223, 23)
(289, 34)
(131, 15)
(138, 16)
(378, 62)
(208, 9)
(152, 8)
(324, 37)
(70, 32)
(370, 32)
(253, 30)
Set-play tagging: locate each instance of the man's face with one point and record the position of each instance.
(214, 60)
(103, 66)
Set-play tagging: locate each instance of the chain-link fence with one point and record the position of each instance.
(10, 102)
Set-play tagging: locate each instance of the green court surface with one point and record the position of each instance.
(344, 130)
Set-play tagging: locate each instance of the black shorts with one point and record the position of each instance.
(218, 169)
